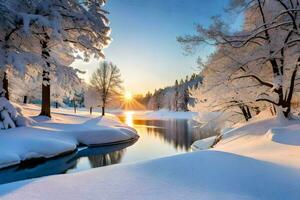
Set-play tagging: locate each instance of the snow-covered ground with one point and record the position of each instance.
(197, 175)
(62, 134)
(259, 160)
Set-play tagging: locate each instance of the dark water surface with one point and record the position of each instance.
(158, 138)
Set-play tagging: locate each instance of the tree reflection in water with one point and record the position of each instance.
(179, 132)
(106, 159)
(97, 157)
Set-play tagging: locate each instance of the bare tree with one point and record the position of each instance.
(107, 81)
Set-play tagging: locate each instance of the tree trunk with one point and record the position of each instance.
(46, 106)
(25, 99)
(275, 111)
(46, 110)
(5, 86)
(244, 112)
(74, 104)
(103, 110)
(91, 110)
(248, 112)
(272, 112)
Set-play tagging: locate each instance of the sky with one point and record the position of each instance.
(144, 44)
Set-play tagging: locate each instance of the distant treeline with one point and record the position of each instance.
(175, 98)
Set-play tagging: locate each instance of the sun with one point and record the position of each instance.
(128, 96)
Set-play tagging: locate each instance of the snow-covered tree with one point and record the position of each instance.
(176, 97)
(264, 56)
(16, 50)
(25, 88)
(185, 97)
(80, 24)
(66, 83)
(80, 27)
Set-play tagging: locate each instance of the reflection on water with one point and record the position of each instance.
(107, 159)
(97, 157)
(158, 138)
(129, 118)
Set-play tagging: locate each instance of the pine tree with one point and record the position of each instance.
(176, 96)
(185, 99)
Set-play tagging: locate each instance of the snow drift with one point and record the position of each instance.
(62, 134)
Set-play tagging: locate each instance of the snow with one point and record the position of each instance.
(198, 175)
(257, 160)
(62, 134)
(26, 144)
(11, 115)
(6, 105)
(206, 143)
(285, 135)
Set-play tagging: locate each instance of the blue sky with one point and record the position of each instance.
(144, 44)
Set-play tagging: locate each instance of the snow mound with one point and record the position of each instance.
(289, 135)
(47, 138)
(103, 136)
(203, 144)
(198, 175)
(25, 145)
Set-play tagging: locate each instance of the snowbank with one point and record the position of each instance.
(289, 135)
(206, 143)
(62, 134)
(255, 127)
(198, 175)
(17, 147)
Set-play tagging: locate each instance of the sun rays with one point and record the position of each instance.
(128, 96)
(130, 103)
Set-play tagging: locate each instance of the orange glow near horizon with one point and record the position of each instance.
(130, 103)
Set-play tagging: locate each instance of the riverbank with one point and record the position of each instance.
(62, 134)
(259, 160)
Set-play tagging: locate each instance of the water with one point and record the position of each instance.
(158, 138)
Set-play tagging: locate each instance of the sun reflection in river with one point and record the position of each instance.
(129, 118)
